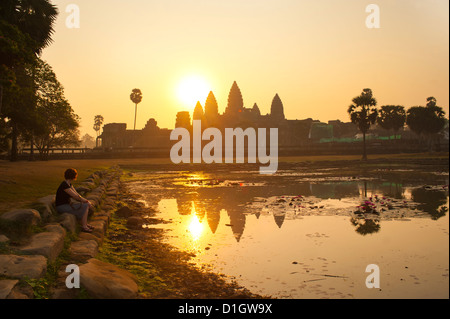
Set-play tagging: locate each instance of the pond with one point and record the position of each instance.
(309, 234)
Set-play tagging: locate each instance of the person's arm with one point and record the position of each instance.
(73, 193)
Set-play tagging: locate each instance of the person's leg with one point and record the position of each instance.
(82, 212)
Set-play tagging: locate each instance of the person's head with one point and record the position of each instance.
(71, 174)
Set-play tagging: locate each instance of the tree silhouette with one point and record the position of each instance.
(136, 98)
(392, 117)
(56, 124)
(32, 22)
(426, 121)
(363, 113)
(98, 121)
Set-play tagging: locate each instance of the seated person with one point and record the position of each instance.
(63, 204)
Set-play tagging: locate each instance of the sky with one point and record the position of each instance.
(316, 55)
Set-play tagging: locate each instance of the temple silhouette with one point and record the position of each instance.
(290, 132)
(295, 137)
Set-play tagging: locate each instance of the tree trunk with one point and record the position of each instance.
(1, 98)
(31, 148)
(364, 147)
(134, 130)
(14, 137)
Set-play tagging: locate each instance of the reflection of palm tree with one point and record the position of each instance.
(366, 226)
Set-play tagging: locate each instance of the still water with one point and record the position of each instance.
(308, 234)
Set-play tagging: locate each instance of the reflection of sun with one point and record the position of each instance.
(195, 227)
(193, 89)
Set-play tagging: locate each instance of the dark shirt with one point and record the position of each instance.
(62, 197)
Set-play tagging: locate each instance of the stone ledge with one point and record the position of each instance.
(106, 281)
(20, 267)
(48, 244)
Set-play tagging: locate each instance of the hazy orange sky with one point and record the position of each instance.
(317, 55)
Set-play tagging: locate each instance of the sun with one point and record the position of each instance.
(192, 89)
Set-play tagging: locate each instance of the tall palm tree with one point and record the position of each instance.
(136, 98)
(98, 121)
(363, 113)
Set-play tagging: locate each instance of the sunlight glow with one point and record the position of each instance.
(195, 226)
(193, 89)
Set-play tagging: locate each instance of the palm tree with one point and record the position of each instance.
(136, 97)
(34, 18)
(363, 113)
(98, 121)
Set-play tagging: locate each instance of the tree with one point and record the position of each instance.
(56, 124)
(136, 97)
(426, 121)
(88, 141)
(98, 121)
(28, 25)
(363, 113)
(392, 117)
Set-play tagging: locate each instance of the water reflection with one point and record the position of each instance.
(253, 228)
(365, 226)
(215, 200)
(205, 206)
(431, 201)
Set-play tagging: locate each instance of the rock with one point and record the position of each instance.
(82, 189)
(88, 236)
(48, 244)
(84, 249)
(105, 281)
(135, 222)
(69, 222)
(100, 226)
(94, 199)
(56, 228)
(4, 239)
(49, 204)
(6, 287)
(124, 212)
(104, 214)
(23, 266)
(25, 216)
